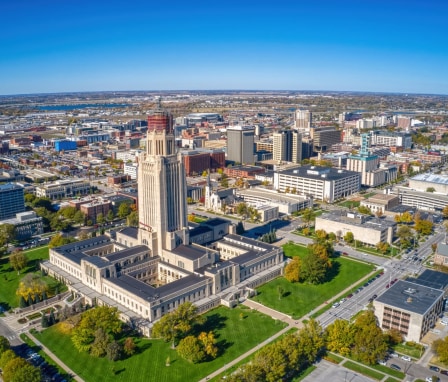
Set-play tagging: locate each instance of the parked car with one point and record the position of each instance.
(444, 372)
(432, 379)
(434, 368)
(335, 305)
(395, 367)
(406, 358)
(394, 355)
(382, 362)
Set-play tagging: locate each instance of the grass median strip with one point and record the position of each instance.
(363, 370)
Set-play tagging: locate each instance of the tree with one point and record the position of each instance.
(129, 346)
(104, 317)
(314, 268)
(308, 216)
(177, 324)
(423, 227)
(394, 337)
(18, 261)
(241, 209)
(132, 219)
(311, 340)
(404, 233)
(339, 337)
(370, 344)
(364, 210)
(440, 347)
(44, 321)
(110, 215)
(224, 181)
(79, 218)
(4, 344)
(43, 202)
(382, 247)
(321, 236)
(60, 240)
(430, 189)
(445, 212)
(280, 292)
(292, 270)
(99, 346)
(209, 344)
(100, 218)
(123, 210)
(19, 370)
(5, 357)
(190, 349)
(114, 351)
(349, 237)
(7, 234)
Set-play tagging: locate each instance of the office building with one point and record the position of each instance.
(26, 224)
(11, 200)
(240, 144)
(410, 308)
(321, 183)
(287, 146)
(63, 189)
(365, 229)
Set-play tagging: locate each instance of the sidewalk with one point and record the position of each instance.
(55, 358)
(247, 354)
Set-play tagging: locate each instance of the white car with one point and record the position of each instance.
(382, 362)
(394, 355)
(335, 305)
(444, 322)
(406, 358)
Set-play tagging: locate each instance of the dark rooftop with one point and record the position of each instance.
(215, 222)
(431, 279)
(190, 252)
(131, 251)
(130, 231)
(410, 296)
(147, 292)
(321, 173)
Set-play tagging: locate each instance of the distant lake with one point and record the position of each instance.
(82, 106)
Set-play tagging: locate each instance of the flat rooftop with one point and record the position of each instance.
(410, 296)
(431, 178)
(321, 173)
(342, 216)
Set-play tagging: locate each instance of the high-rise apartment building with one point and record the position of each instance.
(287, 146)
(303, 119)
(11, 200)
(162, 188)
(240, 144)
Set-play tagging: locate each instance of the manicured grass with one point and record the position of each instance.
(349, 204)
(298, 298)
(413, 352)
(292, 250)
(363, 370)
(10, 279)
(388, 370)
(47, 358)
(390, 379)
(333, 358)
(234, 335)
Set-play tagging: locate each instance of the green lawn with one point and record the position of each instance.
(235, 336)
(363, 370)
(47, 358)
(10, 279)
(350, 204)
(412, 351)
(299, 299)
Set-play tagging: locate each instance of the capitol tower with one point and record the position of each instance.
(162, 188)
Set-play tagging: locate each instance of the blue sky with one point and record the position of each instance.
(364, 45)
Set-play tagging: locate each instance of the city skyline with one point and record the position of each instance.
(381, 46)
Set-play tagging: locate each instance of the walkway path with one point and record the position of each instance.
(55, 358)
(247, 354)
